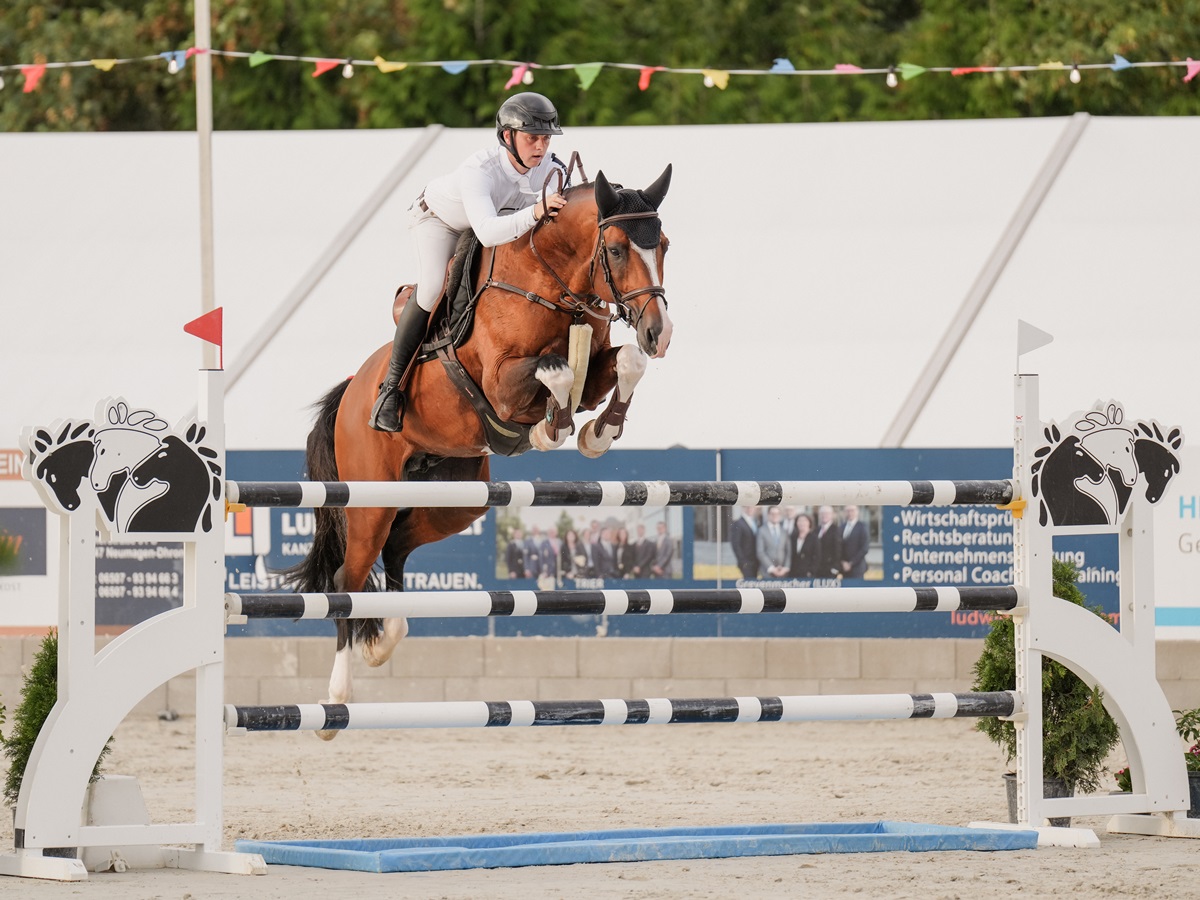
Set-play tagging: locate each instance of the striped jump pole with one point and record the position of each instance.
(653, 494)
(661, 711)
(463, 604)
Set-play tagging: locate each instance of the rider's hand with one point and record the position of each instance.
(554, 202)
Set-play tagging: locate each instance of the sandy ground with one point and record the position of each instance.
(380, 784)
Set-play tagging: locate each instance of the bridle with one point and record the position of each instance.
(590, 304)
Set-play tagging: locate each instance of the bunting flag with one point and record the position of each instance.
(645, 75)
(33, 74)
(518, 75)
(587, 73)
(384, 66)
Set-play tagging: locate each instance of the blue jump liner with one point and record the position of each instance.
(483, 851)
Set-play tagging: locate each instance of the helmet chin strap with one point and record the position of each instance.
(511, 147)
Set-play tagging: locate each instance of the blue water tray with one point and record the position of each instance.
(492, 851)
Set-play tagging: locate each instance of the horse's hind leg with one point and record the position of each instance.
(379, 651)
(597, 436)
(362, 549)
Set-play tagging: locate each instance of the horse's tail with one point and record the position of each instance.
(316, 571)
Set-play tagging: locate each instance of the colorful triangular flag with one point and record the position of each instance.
(324, 65)
(587, 73)
(257, 58)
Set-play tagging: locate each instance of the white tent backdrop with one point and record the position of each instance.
(813, 271)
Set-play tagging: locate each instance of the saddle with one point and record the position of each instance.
(449, 328)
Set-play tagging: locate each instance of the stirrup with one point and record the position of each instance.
(387, 391)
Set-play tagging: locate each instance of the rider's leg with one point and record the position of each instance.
(435, 245)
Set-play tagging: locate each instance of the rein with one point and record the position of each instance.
(590, 304)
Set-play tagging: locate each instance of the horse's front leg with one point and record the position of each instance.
(517, 386)
(597, 436)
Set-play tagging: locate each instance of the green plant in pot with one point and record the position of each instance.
(1077, 732)
(39, 692)
(1187, 723)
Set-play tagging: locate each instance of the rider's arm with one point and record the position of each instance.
(491, 227)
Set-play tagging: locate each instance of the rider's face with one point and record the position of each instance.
(532, 148)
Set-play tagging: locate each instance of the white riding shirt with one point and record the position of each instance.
(486, 193)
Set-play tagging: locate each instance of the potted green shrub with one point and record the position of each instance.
(1187, 723)
(1077, 732)
(39, 692)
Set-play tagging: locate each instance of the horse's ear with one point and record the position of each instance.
(656, 192)
(606, 197)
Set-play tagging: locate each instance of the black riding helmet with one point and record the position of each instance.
(528, 112)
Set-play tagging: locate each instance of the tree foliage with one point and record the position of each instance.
(720, 34)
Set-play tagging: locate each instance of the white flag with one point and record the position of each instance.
(1030, 338)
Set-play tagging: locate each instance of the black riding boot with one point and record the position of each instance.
(388, 412)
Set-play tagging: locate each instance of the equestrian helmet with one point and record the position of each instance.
(528, 112)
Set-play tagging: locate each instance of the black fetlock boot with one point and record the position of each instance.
(388, 412)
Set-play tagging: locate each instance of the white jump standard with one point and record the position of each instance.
(96, 691)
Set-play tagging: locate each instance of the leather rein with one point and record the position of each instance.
(590, 304)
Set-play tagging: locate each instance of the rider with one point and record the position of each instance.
(496, 192)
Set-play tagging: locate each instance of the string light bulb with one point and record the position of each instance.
(348, 70)
(708, 81)
(173, 66)
(1075, 76)
(527, 78)
(892, 80)
(1, 82)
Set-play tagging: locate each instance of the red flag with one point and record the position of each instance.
(208, 328)
(324, 65)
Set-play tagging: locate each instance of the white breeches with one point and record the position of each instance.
(435, 245)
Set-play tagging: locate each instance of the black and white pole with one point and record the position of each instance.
(652, 494)
(661, 711)
(464, 604)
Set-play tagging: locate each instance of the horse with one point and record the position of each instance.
(599, 260)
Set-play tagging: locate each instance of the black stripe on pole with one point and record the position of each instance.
(717, 601)
(268, 718)
(337, 716)
(337, 494)
(636, 493)
(499, 712)
(927, 599)
(340, 606)
(723, 709)
(270, 493)
(993, 703)
(774, 600)
(988, 598)
(637, 712)
(923, 706)
(498, 493)
(273, 606)
(770, 493)
(639, 602)
(772, 709)
(922, 493)
(981, 492)
(570, 603)
(703, 493)
(503, 603)
(566, 493)
(568, 712)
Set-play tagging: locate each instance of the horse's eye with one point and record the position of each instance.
(614, 252)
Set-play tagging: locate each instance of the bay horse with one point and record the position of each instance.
(599, 260)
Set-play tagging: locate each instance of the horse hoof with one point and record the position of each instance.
(590, 445)
(539, 440)
(326, 735)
